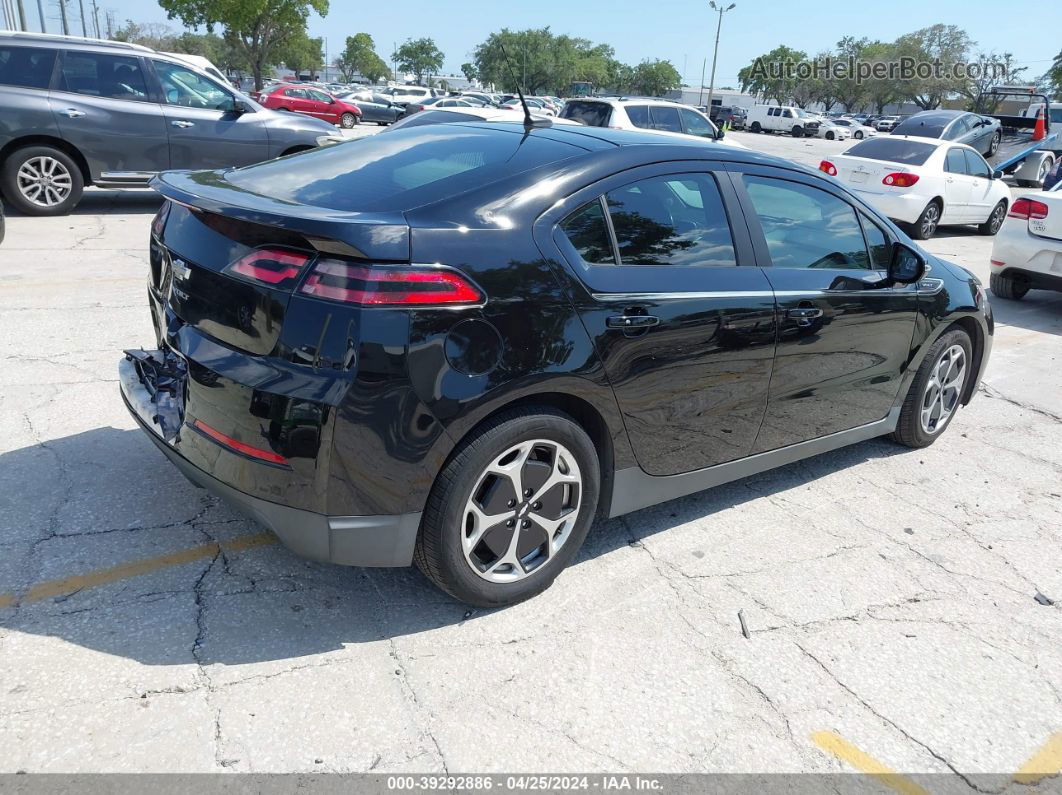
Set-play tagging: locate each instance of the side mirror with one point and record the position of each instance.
(906, 265)
(239, 106)
(719, 133)
(997, 174)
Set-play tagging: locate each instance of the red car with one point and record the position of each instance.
(311, 101)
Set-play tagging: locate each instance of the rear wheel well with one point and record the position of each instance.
(46, 140)
(585, 415)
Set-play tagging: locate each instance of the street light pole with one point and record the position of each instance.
(715, 55)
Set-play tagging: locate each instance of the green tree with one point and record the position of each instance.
(884, 90)
(946, 44)
(257, 28)
(359, 57)
(301, 54)
(850, 92)
(469, 71)
(995, 70)
(655, 78)
(1052, 78)
(419, 56)
(771, 75)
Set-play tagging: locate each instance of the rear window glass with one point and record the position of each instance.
(894, 150)
(432, 117)
(402, 169)
(28, 67)
(927, 128)
(592, 114)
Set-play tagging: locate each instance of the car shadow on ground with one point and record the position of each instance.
(106, 202)
(251, 605)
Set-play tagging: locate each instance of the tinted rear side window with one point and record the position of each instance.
(587, 232)
(592, 114)
(112, 76)
(28, 67)
(894, 150)
(403, 169)
(639, 115)
(665, 119)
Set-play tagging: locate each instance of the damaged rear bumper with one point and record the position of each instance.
(152, 384)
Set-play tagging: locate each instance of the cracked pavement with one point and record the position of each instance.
(889, 594)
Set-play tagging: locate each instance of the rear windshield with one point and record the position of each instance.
(927, 128)
(592, 114)
(895, 150)
(403, 169)
(432, 117)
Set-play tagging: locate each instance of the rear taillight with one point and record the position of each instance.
(900, 180)
(272, 267)
(1025, 209)
(158, 223)
(389, 285)
(826, 167)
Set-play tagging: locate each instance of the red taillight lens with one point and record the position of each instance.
(239, 447)
(826, 167)
(900, 180)
(387, 285)
(1025, 209)
(273, 267)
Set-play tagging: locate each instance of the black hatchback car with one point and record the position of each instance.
(458, 344)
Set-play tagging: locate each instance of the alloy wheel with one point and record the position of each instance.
(943, 389)
(929, 220)
(44, 181)
(522, 510)
(996, 219)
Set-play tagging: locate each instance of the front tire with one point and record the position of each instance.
(1004, 286)
(997, 139)
(510, 510)
(938, 387)
(995, 220)
(797, 131)
(347, 121)
(829, 136)
(926, 225)
(756, 128)
(42, 180)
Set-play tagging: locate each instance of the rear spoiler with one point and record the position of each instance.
(375, 236)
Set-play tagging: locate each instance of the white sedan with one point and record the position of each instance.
(1027, 252)
(924, 182)
(859, 130)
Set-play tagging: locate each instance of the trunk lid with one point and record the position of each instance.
(210, 225)
(865, 175)
(1051, 225)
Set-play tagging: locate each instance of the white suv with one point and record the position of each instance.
(654, 115)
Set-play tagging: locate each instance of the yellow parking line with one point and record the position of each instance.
(136, 568)
(1045, 762)
(845, 751)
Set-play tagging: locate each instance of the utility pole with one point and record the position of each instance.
(715, 55)
(96, 17)
(84, 27)
(62, 13)
(40, 10)
(700, 97)
(22, 16)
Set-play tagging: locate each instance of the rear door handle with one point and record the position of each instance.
(632, 321)
(183, 124)
(72, 113)
(803, 314)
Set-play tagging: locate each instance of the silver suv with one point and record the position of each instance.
(83, 112)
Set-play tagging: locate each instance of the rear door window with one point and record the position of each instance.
(639, 115)
(27, 67)
(587, 231)
(675, 220)
(112, 76)
(592, 114)
(665, 118)
(955, 162)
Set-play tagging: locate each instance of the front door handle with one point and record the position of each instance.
(182, 124)
(72, 113)
(803, 315)
(632, 321)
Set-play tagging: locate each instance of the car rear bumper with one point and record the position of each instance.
(1036, 259)
(347, 540)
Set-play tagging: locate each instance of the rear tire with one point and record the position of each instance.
(926, 225)
(1004, 286)
(936, 392)
(42, 181)
(995, 220)
(472, 484)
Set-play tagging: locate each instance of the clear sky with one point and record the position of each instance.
(681, 31)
